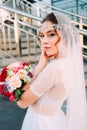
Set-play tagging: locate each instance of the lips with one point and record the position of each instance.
(47, 48)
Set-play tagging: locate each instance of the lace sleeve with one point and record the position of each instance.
(50, 76)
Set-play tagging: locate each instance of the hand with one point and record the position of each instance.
(43, 58)
(41, 64)
(26, 86)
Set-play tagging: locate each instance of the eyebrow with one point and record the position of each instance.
(48, 31)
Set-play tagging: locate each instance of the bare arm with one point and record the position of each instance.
(24, 100)
(38, 69)
(28, 97)
(41, 85)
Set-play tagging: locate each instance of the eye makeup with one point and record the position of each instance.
(49, 34)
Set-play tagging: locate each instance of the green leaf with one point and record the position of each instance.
(18, 93)
(27, 68)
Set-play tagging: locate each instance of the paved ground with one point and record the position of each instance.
(11, 116)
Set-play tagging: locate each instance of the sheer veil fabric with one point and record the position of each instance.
(75, 118)
(76, 102)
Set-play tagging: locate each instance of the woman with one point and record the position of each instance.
(58, 77)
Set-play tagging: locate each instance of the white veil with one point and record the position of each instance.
(76, 102)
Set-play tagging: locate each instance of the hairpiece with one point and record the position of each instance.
(48, 27)
(56, 26)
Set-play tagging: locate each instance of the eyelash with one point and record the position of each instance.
(41, 36)
(49, 35)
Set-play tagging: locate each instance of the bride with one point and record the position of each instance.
(58, 77)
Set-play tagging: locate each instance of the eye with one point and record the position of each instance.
(41, 36)
(51, 34)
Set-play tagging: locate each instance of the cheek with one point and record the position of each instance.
(54, 41)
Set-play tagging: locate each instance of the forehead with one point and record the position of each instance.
(46, 27)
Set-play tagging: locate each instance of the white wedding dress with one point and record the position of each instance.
(34, 121)
(46, 113)
(61, 80)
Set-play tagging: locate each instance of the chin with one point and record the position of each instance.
(49, 55)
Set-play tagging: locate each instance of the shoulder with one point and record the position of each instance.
(57, 67)
(53, 68)
(60, 65)
(53, 65)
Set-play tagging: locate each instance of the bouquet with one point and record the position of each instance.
(13, 78)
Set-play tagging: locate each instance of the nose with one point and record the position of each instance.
(45, 40)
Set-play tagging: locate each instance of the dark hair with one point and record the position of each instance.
(50, 17)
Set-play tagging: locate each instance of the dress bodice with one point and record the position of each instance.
(52, 86)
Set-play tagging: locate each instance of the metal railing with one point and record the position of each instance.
(18, 38)
(80, 21)
(18, 35)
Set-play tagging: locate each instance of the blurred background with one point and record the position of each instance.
(19, 22)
